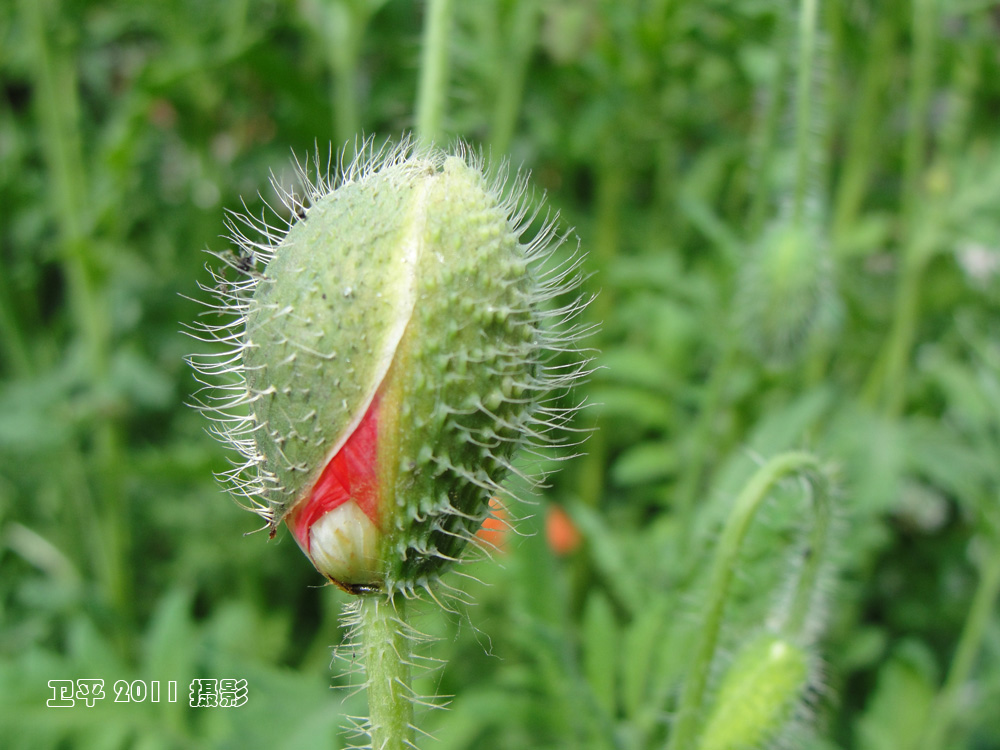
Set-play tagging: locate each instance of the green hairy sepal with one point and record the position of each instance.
(406, 281)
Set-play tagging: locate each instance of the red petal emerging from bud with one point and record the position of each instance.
(349, 475)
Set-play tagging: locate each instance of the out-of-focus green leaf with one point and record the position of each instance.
(645, 463)
(600, 651)
(894, 716)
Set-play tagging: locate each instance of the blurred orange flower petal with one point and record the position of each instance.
(495, 527)
(560, 531)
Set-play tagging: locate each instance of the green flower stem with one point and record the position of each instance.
(433, 71)
(802, 606)
(612, 190)
(340, 26)
(387, 663)
(345, 31)
(859, 163)
(887, 382)
(925, 29)
(724, 567)
(521, 42)
(765, 139)
(343, 26)
(803, 106)
(690, 483)
(983, 605)
(58, 114)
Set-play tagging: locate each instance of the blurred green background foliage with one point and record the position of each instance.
(794, 247)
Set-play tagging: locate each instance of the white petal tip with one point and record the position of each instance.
(343, 545)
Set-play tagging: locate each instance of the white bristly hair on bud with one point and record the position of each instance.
(540, 422)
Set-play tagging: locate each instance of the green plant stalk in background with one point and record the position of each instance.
(764, 141)
(887, 383)
(345, 30)
(692, 476)
(58, 105)
(433, 85)
(977, 621)
(811, 143)
(724, 567)
(804, 136)
(859, 163)
(342, 25)
(612, 189)
(520, 45)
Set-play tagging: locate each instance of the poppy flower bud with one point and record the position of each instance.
(786, 292)
(758, 694)
(394, 348)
